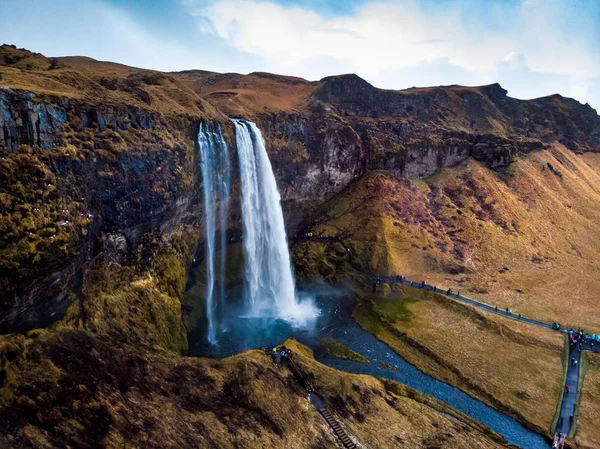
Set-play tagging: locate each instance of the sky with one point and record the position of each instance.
(531, 47)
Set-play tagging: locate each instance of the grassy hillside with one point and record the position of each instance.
(71, 388)
(99, 83)
(527, 238)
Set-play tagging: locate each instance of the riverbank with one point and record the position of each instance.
(508, 365)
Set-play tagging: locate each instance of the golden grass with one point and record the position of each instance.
(512, 366)
(101, 83)
(588, 423)
(249, 95)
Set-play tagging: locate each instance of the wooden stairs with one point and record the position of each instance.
(337, 429)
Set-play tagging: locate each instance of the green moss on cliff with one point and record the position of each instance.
(140, 307)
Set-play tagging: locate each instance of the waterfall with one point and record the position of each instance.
(224, 188)
(268, 279)
(214, 162)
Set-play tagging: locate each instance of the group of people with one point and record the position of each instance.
(322, 237)
(281, 354)
(580, 338)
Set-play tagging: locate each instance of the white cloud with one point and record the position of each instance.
(381, 39)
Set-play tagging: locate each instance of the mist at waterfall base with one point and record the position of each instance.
(268, 294)
(240, 331)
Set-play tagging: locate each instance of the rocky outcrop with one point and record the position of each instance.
(128, 186)
(349, 127)
(27, 120)
(24, 121)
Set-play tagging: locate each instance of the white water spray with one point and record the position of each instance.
(269, 282)
(214, 155)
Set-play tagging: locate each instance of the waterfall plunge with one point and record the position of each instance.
(269, 287)
(214, 155)
(268, 279)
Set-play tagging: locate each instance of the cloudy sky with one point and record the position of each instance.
(531, 47)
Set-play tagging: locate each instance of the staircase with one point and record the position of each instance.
(337, 429)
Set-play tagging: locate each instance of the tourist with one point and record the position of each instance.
(519, 316)
(496, 308)
(567, 389)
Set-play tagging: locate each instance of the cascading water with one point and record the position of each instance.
(268, 279)
(224, 188)
(214, 155)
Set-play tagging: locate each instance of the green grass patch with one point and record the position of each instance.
(392, 310)
(337, 350)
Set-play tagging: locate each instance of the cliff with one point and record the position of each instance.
(100, 219)
(91, 175)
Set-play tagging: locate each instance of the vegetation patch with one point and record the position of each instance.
(334, 349)
(386, 366)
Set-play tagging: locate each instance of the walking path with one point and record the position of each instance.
(319, 403)
(569, 399)
(504, 312)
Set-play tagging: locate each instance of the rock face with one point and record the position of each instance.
(347, 127)
(27, 120)
(78, 180)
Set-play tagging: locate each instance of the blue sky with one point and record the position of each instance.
(531, 47)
